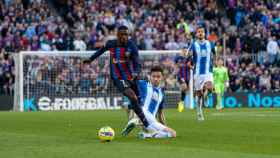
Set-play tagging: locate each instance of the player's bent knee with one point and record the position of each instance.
(131, 95)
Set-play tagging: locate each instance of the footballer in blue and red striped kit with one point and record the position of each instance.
(124, 67)
(184, 64)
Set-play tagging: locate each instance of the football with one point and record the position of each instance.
(106, 134)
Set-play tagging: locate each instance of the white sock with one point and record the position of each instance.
(200, 106)
(188, 104)
(158, 134)
(130, 114)
(162, 134)
(197, 100)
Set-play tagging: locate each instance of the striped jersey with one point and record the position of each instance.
(151, 98)
(202, 57)
(184, 67)
(124, 60)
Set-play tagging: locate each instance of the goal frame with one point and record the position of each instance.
(19, 92)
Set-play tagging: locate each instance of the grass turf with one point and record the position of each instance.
(248, 133)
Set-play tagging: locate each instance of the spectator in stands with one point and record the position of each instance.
(183, 27)
(79, 44)
(265, 81)
(172, 44)
(272, 49)
(249, 27)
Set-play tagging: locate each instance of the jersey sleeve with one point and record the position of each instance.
(100, 51)
(142, 89)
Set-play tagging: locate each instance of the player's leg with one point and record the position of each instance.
(203, 97)
(219, 90)
(167, 133)
(171, 132)
(183, 89)
(164, 131)
(138, 111)
(127, 106)
(130, 113)
(126, 88)
(157, 130)
(198, 87)
(199, 103)
(133, 120)
(187, 94)
(207, 91)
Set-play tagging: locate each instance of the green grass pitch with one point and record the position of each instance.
(235, 133)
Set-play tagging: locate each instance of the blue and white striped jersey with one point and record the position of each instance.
(151, 97)
(202, 57)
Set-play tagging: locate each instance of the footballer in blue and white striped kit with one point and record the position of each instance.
(202, 52)
(152, 100)
(202, 57)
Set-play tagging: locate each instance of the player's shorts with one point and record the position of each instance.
(200, 80)
(153, 122)
(123, 84)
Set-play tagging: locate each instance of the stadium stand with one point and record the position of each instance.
(251, 29)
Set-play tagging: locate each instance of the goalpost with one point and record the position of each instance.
(58, 80)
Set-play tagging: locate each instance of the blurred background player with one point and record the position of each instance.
(124, 67)
(152, 100)
(221, 81)
(202, 52)
(184, 65)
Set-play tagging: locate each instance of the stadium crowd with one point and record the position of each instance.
(249, 27)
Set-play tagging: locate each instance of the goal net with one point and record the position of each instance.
(47, 81)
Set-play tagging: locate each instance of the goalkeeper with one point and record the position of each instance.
(221, 81)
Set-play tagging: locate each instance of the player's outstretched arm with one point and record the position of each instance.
(97, 54)
(161, 117)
